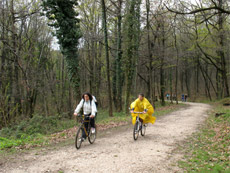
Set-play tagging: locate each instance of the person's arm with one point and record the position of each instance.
(79, 106)
(133, 105)
(146, 105)
(94, 109)
(94, 98)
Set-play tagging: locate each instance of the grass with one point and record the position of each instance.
(33, 131)
(103, 117)
(209, 149)
(36, 131)
(205, 100)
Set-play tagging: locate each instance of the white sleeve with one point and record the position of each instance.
(94, 108)
(79, 106)
(95, 100)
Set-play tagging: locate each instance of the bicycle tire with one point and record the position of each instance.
(92, 136)
(78, 137)
(135, 131)
(143, 129)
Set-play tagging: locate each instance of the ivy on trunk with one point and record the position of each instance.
(64, 19)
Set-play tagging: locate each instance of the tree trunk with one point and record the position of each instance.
(107, 56)
(16, 86)
(221, 52)
(130, 61)
(70, 112)
(162, 75)
(114, 66)
(119, 72)
(206, 85)
(150, 95)
(171, 87)
(177, 64)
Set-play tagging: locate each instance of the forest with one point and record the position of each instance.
(52, 51)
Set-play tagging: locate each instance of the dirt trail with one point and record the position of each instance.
(120, 153)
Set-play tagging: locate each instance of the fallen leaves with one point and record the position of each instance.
(209, 149)
(70, 133)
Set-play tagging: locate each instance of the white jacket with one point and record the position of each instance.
(87, 107)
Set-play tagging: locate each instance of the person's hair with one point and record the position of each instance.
(88, 94)
(141, 94)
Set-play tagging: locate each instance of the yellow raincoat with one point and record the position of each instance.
(140, 106)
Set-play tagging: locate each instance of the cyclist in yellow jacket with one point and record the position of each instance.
(141, 104)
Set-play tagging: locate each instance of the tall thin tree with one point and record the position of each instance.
(107, 55)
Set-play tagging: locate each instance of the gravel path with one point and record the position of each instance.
(119, 152)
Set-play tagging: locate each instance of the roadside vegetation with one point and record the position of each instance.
(209, 149)
(41, 130)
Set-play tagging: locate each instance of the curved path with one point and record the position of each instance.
(119, 152)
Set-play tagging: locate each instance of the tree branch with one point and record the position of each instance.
(221, 10)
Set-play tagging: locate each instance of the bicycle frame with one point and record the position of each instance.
(82, 130)
(83, 126)
(138, 117)
(137, 126)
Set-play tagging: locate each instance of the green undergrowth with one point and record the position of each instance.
(103, 117)
(36, 131)
(205, 100)
(209, 149)
(33, 131)
(160, 110)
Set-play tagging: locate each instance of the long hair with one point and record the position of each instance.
(88, 94)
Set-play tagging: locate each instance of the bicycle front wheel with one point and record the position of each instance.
(92, 136)
(143, 129)
(136, 131)
(78, 139)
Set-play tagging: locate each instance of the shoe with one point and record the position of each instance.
(93, 130)
(82, 140)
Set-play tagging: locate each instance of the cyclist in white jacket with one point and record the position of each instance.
(89, 110)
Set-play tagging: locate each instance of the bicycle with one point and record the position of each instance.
(138, 127)
(91, 136)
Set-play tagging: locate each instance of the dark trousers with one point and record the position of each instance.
(86, 124)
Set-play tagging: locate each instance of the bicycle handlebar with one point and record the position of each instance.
(138, 113)
(83, 115)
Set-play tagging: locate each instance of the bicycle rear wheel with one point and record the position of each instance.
(78, 139)
(143, 129)
(136, 131)
(92, 136)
